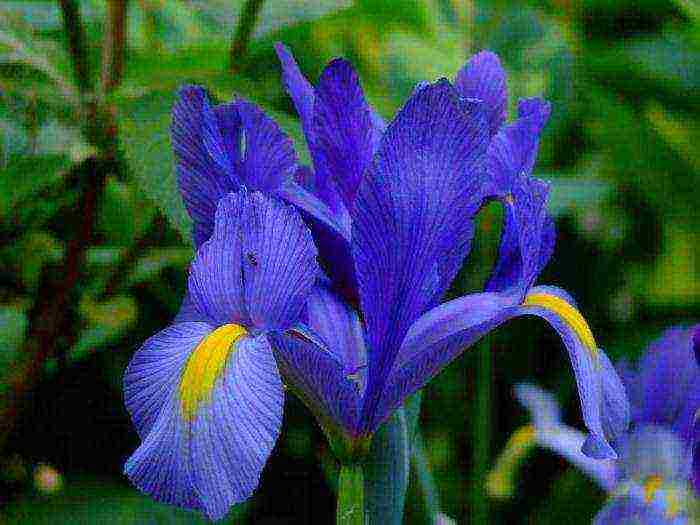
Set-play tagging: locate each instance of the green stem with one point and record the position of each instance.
(244, 30)
(482, 434)
(351, 505)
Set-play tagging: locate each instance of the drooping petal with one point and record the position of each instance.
(444, 332)
(204, 168)
(552, 434)
(412, 221)
(279, 261)
(483, 78)
(267, 154)
(342, 147)
(216, 418)
(318, 377)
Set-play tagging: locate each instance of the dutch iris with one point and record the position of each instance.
(656, 477)
(391, 210)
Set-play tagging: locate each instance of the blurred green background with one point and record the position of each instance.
(93, 257)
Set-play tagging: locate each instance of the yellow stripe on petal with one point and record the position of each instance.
(205, 365)
(651, 485)
(568, 313)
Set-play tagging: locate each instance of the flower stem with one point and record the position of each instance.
(351, 503)
(482, 434)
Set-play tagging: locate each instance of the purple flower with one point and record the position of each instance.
(205, 393)
(411, 213)
(652, 481)
(391, 210)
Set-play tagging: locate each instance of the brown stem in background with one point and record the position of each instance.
(53, 303)
(49, 323)
(244, 30)
(114, 46)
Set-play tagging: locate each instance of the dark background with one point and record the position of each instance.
(92, 255)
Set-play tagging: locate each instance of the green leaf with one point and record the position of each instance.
(13, 323)
(145, 125)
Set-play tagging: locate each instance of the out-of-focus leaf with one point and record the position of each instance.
(157, 259)
(23, 177)
(105, 321)
(32, 252)
(145, 126)
(386, 472)
(121, 201)
(13, 323)
(18, 45)
(95, 501)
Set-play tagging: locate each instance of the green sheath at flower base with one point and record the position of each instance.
(351, 505)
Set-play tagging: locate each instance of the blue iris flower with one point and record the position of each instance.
(390, 211)
(655, 479)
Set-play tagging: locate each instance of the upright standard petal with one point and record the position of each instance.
(267, 154)
(258, 267)
(204, 167)
(216, 418)
(527, 239)
(513, 151)
(299, 89)
(279, 261)
(412, 221)
(342, 147)
(483, 78)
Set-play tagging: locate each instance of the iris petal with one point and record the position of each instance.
(412, 222)
(484, 79)
(443, 333)
(211, 458)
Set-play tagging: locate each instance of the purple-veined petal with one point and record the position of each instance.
(668, 374)
(527, 239)
(342, 146)
(444, 332)
(318, 378)
(204, 169)
(213, 459)
(483, 78)
(298, 88)
(626, 510)
(652, 451)
(215, 285)
(258, 266)
(340, 328)
(154, 371)
(412, 221)
(552, 434)
(267, 154)
(278, 259)
(513, 151)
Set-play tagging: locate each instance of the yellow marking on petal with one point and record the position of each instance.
(205, 365)
(673, 503)
(651, 485)
(500, 481)
(568, 313)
